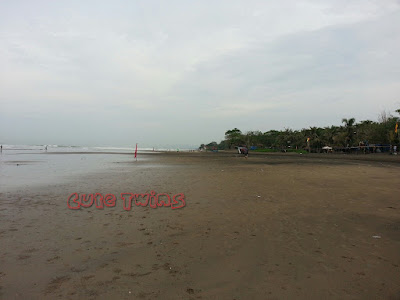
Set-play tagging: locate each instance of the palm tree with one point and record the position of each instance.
(329, 134)
(349, 128)
(315, 134)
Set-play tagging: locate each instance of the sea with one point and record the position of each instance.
(26, 166)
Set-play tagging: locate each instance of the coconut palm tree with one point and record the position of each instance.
(315, 134)
(349, 129)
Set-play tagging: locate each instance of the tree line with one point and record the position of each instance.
(349, 134)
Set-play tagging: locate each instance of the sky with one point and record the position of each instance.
(181, 73)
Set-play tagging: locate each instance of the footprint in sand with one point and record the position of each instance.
(30, 250)
(190, 291)
(56, 283)
(23, 257)
(53, 258)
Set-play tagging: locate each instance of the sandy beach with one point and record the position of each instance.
(273, 226)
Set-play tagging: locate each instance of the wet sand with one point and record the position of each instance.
(273, 226)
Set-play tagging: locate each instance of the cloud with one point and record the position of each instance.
(200, 65)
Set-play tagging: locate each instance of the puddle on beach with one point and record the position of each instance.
(27, 169)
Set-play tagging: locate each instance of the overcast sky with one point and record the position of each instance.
(163, 73)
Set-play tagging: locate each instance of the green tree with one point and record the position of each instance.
(212, 146)
(234, 137)
(350, 133)
(270, 139)
(253, 138)
(349, 129)
(315, 134)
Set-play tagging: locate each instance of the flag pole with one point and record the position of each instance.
(136, 152)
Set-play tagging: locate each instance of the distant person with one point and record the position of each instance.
(45, 148)
(246, 152)
(1, 148)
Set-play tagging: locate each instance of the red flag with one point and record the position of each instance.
(136, 151)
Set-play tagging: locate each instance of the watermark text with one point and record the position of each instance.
(152, 199)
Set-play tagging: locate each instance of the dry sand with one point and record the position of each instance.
(267, 227)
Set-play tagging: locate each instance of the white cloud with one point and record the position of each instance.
(195, 62)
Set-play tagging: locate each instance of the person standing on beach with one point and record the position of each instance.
(1, 148)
